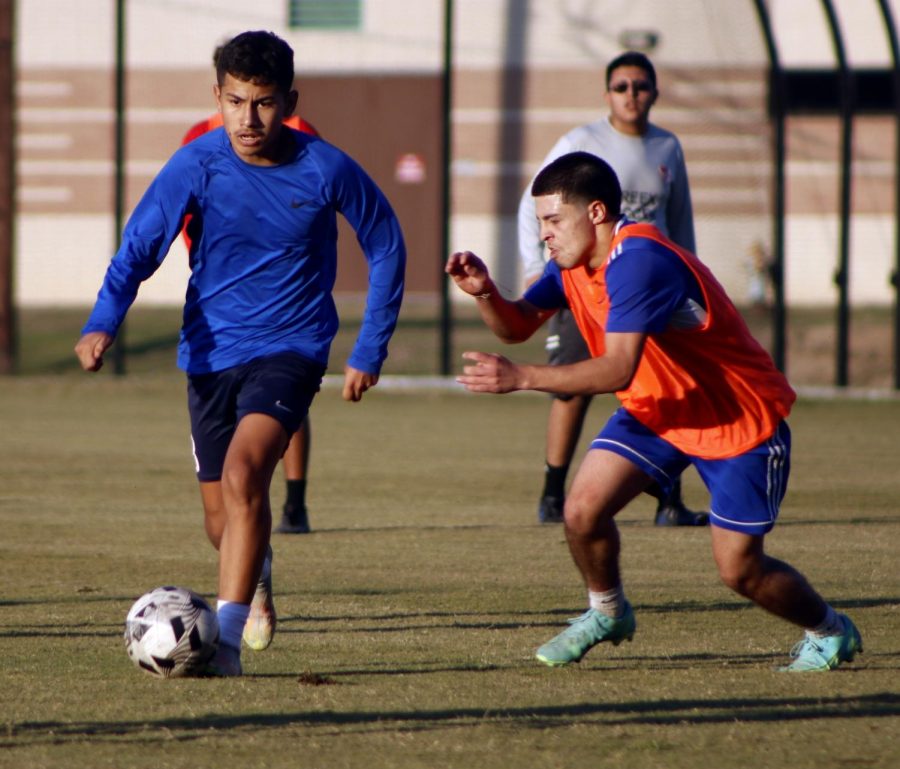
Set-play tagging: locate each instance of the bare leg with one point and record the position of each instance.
(564, 429)
(255, 449)
(771, 584)
(777, 587)
(604, 484)
(213, 511)
(238, 521)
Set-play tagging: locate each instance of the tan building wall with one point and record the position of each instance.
(66, 168)
(525, 72)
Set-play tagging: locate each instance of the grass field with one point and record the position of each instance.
(409, 618)
(47, 335)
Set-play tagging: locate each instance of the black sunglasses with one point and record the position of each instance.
(640, 86)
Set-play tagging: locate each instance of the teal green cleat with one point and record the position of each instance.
(585, 632)
(812, 653)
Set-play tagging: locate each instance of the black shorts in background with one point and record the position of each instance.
(565, 343)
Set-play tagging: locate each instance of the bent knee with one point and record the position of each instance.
(740, 576)
(733, 580)
(242, 488)
(583, 519)
(236, 478)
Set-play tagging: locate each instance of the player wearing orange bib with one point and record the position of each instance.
(695, 388)
(649, 162)
(712, 374)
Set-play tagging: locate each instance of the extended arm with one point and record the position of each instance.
(152, 227)
(381, 240)
(510, 321)
(611, 372)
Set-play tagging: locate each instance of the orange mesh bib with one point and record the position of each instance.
(711, 391)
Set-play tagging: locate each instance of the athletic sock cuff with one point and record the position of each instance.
(232, 618)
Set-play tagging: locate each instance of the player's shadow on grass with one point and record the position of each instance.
(501, 618)
(656, 712)
(599, 664)
(44, 631)
(82, 596)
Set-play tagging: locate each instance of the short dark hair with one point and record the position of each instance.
(632, 59)
(582, 177)
(257, 57)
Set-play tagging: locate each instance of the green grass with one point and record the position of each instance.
(409, 617)
(46, 337)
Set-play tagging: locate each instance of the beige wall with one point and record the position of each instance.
(377, 94)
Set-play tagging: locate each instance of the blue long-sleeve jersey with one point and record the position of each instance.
(263, 256)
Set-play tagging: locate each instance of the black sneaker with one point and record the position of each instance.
(676, 514)
(550, 509)
(293, 521)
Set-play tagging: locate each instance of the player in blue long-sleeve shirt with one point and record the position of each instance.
(259, 316)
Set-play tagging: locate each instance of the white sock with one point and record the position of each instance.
(831, 625)
(609, 602)
(232, 618)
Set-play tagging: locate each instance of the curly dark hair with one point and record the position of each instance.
(257, 57)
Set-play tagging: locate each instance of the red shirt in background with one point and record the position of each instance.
(214, 121)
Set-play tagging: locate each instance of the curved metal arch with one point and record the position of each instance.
(841, 276)
(891, 30)
(778, 107)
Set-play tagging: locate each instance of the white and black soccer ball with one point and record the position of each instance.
(171, 632)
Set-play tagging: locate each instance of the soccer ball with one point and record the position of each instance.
(171, 632)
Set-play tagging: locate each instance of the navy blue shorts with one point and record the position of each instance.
(281, 386)
(745, 491)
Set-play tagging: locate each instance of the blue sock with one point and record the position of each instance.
(232, 618)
